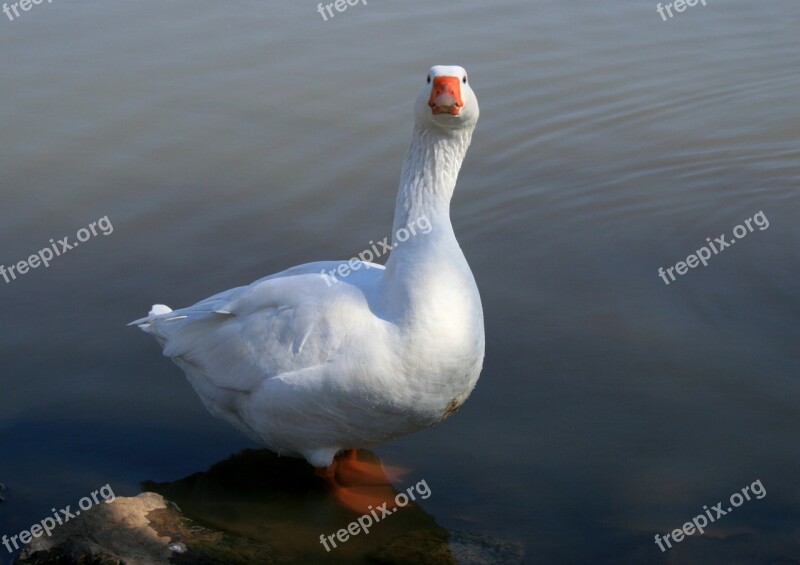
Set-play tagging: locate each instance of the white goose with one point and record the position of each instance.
(310, 368)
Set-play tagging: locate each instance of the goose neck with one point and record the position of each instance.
(429, 176)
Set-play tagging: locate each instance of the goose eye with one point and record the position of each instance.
(429, 79)
(464, 80)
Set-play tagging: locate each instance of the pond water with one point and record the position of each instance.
(226, 141)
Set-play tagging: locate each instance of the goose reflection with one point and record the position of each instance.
(281, 505)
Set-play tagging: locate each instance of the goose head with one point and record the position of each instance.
(446, 101)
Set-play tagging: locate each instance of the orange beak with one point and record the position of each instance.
(446, 96)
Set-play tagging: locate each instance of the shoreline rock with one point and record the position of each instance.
(255, 508)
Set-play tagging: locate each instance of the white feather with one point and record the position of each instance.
(310, 368)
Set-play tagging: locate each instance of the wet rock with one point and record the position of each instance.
(144, 530)
(281, 503)
(257, 508)
(455, 548)
(484, 549)
(108, 534)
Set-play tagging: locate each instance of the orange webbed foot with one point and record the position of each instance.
(360, 484)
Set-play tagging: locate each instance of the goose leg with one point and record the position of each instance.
(360, 485)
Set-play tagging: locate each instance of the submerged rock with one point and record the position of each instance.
(455, 548)
(257, 508)
(143, 530)
(108, 534)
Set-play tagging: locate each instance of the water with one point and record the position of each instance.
(226, 141)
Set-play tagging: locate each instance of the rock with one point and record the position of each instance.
(484, 549)
(455, 548)
(144, 530)
(178, 548)
(257, 508)
(108, 534)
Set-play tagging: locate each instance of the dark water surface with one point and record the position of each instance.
(229, 140)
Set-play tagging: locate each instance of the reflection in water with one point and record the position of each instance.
(281, 503)
(226, 145)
